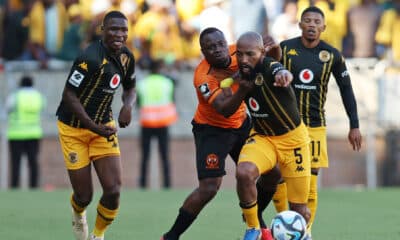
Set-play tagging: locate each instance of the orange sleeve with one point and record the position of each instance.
(206, 85)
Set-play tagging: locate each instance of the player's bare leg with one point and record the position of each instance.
(109, 173)
(81, 181)
(193, 205)
(246, 176)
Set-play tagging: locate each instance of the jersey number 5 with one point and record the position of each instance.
(297, 154)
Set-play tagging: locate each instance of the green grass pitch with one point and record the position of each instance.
(144, 215)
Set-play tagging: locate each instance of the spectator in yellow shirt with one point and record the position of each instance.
(388, 33)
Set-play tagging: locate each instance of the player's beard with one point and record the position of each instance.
(249, 76)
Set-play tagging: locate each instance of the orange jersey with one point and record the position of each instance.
(207, 84)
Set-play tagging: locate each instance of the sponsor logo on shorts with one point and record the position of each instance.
(314, 159)
(73, 157)
(212, 161)
(112, 139)
(299, 168)
(250, 141)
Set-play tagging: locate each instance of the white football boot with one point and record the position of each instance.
(79, 225)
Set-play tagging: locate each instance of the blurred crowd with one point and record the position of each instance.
(169, 29)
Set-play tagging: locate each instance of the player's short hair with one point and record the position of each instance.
(313, 9)
(113, 14)
(208, 31)
(26, 81)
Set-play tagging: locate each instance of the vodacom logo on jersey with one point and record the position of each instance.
(253, 104)
(115, 81)
(306, 75)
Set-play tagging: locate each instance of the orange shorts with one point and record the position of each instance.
(80, 146)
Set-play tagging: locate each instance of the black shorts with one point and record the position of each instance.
(213, 144)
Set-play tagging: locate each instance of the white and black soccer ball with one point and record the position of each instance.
(288, 225)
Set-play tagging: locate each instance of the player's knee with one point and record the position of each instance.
(112, 194)
(83, 199)
(246, 171)
(209, 189)
(270, 180)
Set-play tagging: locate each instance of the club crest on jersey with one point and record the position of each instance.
(259, 79)
(324, 56)
(115, 80)
(253, 104)
(204, 90)
(306, 75)
(212, 161)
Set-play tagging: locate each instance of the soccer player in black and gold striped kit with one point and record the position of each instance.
(86, 127)
(312, 61)
(278, 136)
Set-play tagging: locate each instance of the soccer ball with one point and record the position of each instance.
(288, 225)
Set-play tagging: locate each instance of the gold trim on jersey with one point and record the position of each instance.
(323, 87)
(282, 110)
(265, 127)
(101, 109)
(285, 57)
(301, 102)
(97, 82)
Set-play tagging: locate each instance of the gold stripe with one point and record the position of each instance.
(105, 107)
(279, 106)
(100, 109)
(321, 90)
(271, 130)
(284, 56)
(324, 87)
(98, 80)
(290, 65)
(93, 88)
(301, 102)
(73, 120)
(266, 129)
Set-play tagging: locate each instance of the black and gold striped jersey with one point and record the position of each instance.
(311, 69)
(273, 109)
(95, 76)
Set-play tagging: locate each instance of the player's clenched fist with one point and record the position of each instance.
(283, 78)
